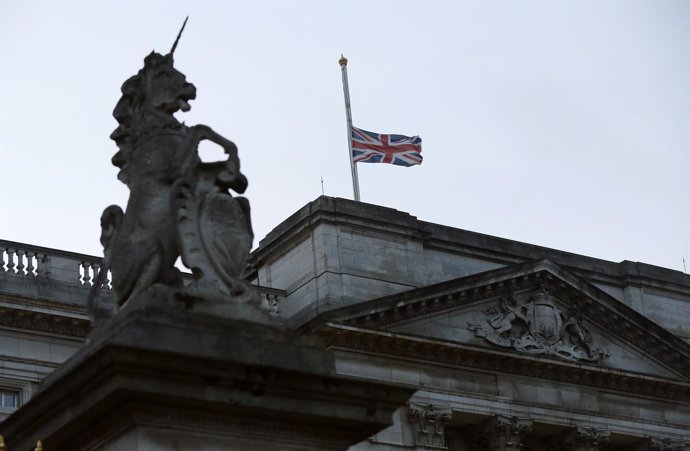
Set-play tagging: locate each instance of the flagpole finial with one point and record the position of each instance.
(342, 61)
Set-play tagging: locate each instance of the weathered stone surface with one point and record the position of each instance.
(179, 206)
(156, 378)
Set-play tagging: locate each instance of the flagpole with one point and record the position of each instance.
(346, 91)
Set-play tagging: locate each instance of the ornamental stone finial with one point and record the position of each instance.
(342, 61)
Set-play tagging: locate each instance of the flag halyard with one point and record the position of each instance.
(370, 147)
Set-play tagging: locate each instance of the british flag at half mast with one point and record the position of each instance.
(370, 147)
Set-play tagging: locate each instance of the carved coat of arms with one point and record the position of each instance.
(538, 326)
(544, 319)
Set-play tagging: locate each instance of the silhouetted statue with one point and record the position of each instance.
(178, 205)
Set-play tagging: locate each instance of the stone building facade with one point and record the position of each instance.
(509, 346)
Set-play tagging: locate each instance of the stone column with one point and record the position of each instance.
(582, 438)
(501, 433)
(428, 424)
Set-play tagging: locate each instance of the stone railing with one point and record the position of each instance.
(74, 269)
(50, 264)
(270, 298)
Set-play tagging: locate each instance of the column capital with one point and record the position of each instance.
(582, 438)
(428, 423)
(501, 433)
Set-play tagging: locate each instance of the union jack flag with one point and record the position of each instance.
(370, 147)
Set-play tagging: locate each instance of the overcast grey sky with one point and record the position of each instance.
(563, 124)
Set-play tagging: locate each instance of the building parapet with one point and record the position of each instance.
(35, 272)
(454, 241)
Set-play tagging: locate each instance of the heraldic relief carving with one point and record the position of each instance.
(535, 325)
(178, 205)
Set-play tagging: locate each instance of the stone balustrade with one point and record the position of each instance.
(51, 264)
(21, 261)
(70, 269)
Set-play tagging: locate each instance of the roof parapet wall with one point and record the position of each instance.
(348, 212)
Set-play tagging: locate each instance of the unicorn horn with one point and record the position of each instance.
(178, 36)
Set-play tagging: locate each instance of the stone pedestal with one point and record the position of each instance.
(159, 380)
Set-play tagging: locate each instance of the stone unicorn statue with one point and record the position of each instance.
(178, 206)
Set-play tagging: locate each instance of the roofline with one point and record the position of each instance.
(341, 211)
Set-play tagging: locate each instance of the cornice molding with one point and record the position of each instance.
(596, 306)
(434, 351)
(44, 322)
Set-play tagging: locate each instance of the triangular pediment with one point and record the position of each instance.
(535, 309)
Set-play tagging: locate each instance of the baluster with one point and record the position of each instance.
(2, 264)
(10, 260)
(40, 266)
(30, 264)
(20, 262)
(270, 303)
(43, 268)
(96, 268)
(276, 306)
(87, 277)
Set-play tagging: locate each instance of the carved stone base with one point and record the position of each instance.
(152, 379)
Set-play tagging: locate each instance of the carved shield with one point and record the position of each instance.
(545, 320)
